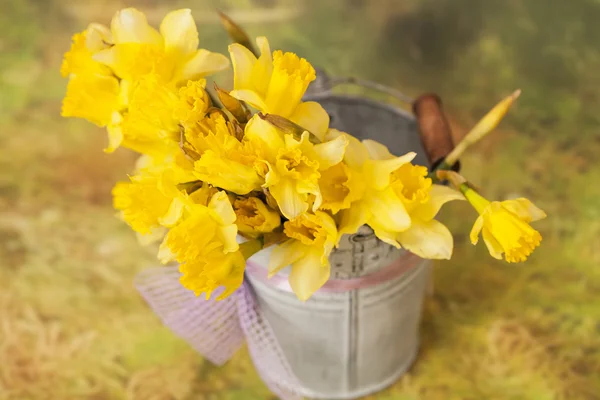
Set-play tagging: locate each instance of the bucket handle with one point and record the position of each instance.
(434, 129)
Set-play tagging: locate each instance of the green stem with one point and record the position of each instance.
(251, 247)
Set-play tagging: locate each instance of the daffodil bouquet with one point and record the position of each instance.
(223, 174)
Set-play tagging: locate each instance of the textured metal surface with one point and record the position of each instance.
(346, 345)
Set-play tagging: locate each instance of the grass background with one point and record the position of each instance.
(71, 325)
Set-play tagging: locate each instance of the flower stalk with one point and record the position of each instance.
(479, 131)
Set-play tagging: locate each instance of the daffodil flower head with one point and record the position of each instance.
(172, 53)
(294, 166)
(213, 271)
(224, 160)
(312, 238)
(203, 229)
(94, 97)
(380, 207)
(149, 200)
(78, 60)
(275, 83)
(505, 226)
(410, 183)
(254, 217)
(193, 103)
(340, 186)
(205, 243)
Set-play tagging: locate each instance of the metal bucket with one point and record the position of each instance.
(343, 344)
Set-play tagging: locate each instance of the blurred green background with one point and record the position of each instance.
(71, 324)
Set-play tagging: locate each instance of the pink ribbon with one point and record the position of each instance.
(397, 268)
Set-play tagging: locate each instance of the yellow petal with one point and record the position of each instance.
(308, 275)
(311, 116)
(226, 173)
(384, 235)
(165, 255)
(228, 236)
(93, 97)
(330, 153)
(328, 223)
(378, 171)
(310, 187)
(201, 64)
(285, 254)
(78, 60)
(131, 26)
(492, 244)
(179, 31)
(477, 226)
(173, 214)
(429, 239)
(439, 195)
(289, 80)
(251, 97)
(221, 206)
(262, 70)
(265, 136)
(377, 151)
(107, 57)
(98, 36)
(352, 218)
(115, 133)
(291, 203)
(356, 153)
(525, 209)
(388, 211)
(236, 274)
(243, 61)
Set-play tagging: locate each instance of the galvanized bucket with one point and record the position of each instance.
(360, 332)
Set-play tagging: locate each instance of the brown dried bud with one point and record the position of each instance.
(288, 127)
(233, 105)
(237, 34)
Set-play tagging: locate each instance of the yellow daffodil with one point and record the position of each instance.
(340, 186)
(293, 167)
(205, 229)
(105, 66)
(380, 207)
(205, 242)
(93, 92)
(275, 83)
(312, 237)
(157, 112)
(425, 237)
(78, 60)
(224, 160)
(93, 97)
(255, 217)
(150, 200)
(172, 52)
(204, 275)
(193, 103)
(505, 226)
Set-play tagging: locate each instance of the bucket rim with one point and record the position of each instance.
(369, 101)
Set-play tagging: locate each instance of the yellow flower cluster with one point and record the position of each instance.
(213, 181)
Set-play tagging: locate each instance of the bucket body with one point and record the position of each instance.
(343, 344)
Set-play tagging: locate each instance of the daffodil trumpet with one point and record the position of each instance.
(504, 225)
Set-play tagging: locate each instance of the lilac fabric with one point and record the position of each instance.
(217, 329)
